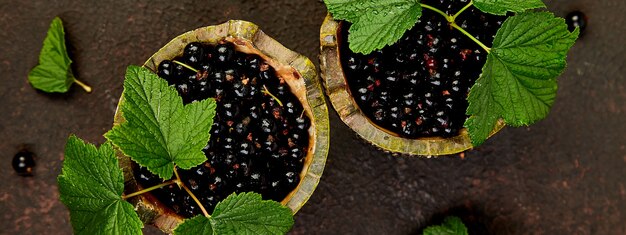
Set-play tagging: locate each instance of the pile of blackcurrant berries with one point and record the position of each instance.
(260, 136)
(418, 87)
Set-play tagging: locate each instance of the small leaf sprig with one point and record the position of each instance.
(54, 72)
(161, 134)
(451, 225)
(518, 81)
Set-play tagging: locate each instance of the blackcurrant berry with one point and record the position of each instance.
(224, 53)
(166, 71)
(24, 163)
(576, 19)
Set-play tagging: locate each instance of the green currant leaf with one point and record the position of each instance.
(91, 186)
(451, 226)
(247, 213)
(159, 130)
(53, 73)
(348, 10)
(518, 82)
(376, 23)
(244, 213)
(501, 7)
(196, 225)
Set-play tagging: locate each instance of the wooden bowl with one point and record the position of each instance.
(299, 73)
(337, 90)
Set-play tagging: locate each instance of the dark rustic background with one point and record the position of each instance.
(564, 175)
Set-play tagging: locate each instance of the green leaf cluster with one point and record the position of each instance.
(159, 133)
(518, 83)
(378, 23)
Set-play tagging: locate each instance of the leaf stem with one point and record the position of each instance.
(149, 189)
(181, 184)
(83, 85)
(448, 17)
(462, 10)
(451, 20)
(454, 25)
(185, 65)
(267, 92)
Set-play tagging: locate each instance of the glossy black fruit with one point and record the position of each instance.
(193, 54)
(576, 19)
(24, 163)
(166, 71)
(224, 53)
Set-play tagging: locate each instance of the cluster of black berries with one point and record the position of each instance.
(418, 87)
(259, 139)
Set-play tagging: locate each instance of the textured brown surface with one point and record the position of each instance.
(564, 175)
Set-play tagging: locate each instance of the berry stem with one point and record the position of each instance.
(454, 25)
(185, 65)
(180, 184)
(451, 20)
(448, 17)
(83, 85)
(461, 11)
(267, 92)
(149, 189)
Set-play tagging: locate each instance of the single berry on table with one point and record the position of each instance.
(576, 19)
(24, 163)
